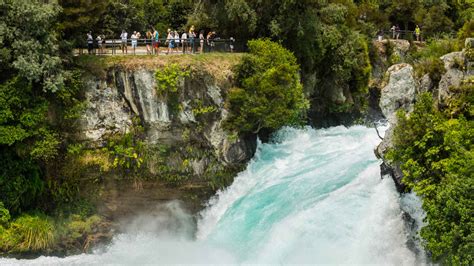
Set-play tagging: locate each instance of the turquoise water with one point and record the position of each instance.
(312, 196)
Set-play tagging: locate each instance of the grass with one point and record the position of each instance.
(219, 64)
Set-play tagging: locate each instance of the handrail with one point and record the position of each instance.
(189, 45)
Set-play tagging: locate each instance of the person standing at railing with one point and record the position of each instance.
(380, 35)
(417, 33)
(100, 40)
(124, 37)
(148, 39)
(134, 39)
(397, 32)
(192, 38)
(201, 41)
(231, 45)
(90, 42)
(156, 41)
(184, 41)
(176, 41)
(393, 30)
(169, 41)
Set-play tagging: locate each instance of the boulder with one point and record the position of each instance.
(400, 91)
(469, 43)
(426, 84)
(453, 76)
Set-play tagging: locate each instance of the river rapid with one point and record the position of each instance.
(309, 196)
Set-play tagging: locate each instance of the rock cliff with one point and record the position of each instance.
(400, 87)
(189, 153)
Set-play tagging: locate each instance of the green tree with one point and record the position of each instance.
(269, 94)
(435, 149)
(31, 73)
(28, 42)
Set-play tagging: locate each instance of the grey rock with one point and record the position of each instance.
(106, 113)
(452, 59)
(399, 92)
(469, 43)
(111, 105)
(426, 84)
(452, 78)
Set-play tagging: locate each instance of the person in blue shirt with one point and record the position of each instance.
(156, 41)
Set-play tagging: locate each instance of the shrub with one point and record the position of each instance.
(30, 233)
(4, 216)
(432, 66)
(437, 158)
(269, 94)
(467, 31)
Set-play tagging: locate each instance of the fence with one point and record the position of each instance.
(146, 46)
(409, 35)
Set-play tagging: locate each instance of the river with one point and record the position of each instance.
(310, 196)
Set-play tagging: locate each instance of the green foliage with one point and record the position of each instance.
(127, 151)
(467, 31)
(462, 103)
(29, 43)
(269, 94)
(435, 48)
(432, 66)
(78, 228)
(437, 158)
(200, 109)
(4, 216)
(169, 78)
(28, 233)
(20, 182)
(110, 17)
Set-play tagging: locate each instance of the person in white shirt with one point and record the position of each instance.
(134, 39)
(124, 37)
(184, 41)
(100, 44)
(201, 41)
(176, 41)
(90, 43)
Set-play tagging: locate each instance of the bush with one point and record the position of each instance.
(4, 216)
(433, 66)
(269, 94)
(467, 31)
(28, 233)
(437, 158)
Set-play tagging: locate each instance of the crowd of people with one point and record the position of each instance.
(186, 42)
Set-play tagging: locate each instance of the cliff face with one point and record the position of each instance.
(399, 91)
(189, 153)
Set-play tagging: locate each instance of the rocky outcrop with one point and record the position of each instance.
(454, 75)
(399, 90)
(183, 131)
(398, 93)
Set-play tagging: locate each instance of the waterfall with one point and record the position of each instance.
(310, 196)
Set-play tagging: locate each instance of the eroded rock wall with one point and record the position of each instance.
(188, 125)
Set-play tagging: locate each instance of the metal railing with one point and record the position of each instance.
(408, 35)
(150, 47)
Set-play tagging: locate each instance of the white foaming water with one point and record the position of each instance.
(315, 197)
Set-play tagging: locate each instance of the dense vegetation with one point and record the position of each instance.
(434, 144)
(326, 48)
(269, 94)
